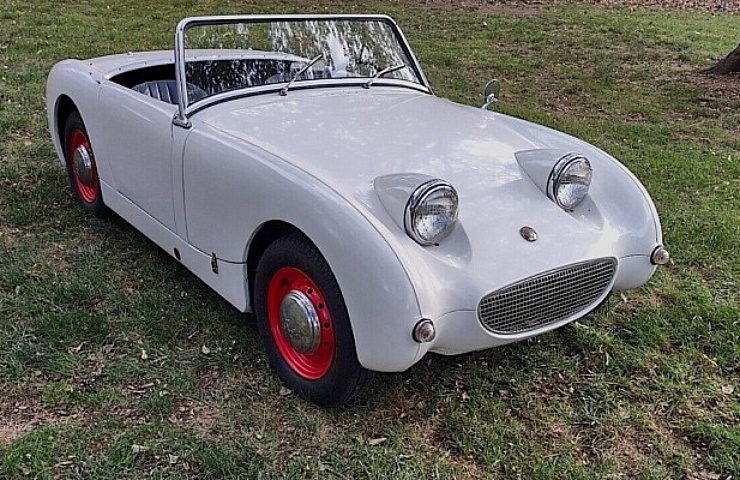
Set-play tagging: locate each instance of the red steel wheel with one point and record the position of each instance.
(81, 166)
(300, 323)
(304, 324)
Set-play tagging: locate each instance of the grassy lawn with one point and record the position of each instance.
(115, 362)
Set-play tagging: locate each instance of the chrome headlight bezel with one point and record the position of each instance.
(561, 171)
(421, 195)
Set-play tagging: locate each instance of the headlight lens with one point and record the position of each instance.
(569, 181)
(431, 212)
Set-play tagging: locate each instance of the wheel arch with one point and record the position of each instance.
(382, 343)
(64, 107)
(267, 233)
(72, 85)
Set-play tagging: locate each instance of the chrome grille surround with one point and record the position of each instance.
(546, 298)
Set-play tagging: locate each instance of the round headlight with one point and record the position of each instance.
(431, 212)
(569, 181)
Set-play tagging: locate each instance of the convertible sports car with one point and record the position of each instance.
(302, 167)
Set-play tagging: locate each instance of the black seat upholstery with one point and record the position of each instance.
(166, 91)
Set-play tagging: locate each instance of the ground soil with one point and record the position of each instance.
(730, 6)
(719, 6)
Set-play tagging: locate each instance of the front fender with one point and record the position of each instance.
(619, 201)
(232, 188)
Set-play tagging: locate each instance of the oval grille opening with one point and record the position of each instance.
(546, 298)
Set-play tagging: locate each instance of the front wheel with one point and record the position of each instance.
(304, 324)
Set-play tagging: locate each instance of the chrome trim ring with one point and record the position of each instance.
(416, 198)
(300, 322)
(553, 181)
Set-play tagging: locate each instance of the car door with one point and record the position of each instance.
(136, 141)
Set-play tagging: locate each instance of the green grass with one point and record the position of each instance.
(646, 387)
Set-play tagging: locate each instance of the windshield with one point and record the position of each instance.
(236, 54)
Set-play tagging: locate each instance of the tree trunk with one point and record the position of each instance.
(729, 64)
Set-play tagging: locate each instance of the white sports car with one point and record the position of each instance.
(302, 167)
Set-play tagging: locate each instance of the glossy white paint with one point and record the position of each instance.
(389, 130)
(336, 162)
(135, 139)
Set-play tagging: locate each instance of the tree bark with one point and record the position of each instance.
(729, 64)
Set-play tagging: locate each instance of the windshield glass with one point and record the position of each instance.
(252, 53)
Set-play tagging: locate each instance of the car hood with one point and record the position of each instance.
(348, 137)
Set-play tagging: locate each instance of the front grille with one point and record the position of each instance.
(546, 298)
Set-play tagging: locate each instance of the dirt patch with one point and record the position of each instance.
(721, 97)
(24, 413)
(211, 382)
(631, 448)
(12, 429)
(11, 237)
(200, 416)
(727, 6)
(512, 8)
(531, 7)
(720, 89)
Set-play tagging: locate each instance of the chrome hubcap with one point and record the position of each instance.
(300, 322)
(82, 163)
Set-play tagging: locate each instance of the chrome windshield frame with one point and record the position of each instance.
(184, 108)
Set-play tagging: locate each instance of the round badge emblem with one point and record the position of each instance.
(528, 234)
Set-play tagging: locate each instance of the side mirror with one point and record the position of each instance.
(491, 93)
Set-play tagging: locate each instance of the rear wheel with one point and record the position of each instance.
(304, 324)
(81, 166)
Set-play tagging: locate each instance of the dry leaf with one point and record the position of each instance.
(376, 441)
(728, 389)
(285, 391)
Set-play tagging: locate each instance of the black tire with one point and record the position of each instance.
(86, 189)
(330, 375)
